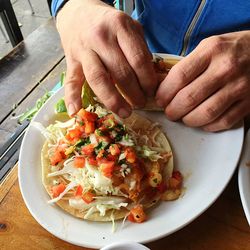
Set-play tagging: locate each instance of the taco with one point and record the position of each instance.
(100, 168)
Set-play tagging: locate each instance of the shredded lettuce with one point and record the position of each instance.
(100, 204)
(126, 140)
(146, 152)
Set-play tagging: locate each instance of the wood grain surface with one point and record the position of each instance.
(222, 226)
(25, 67)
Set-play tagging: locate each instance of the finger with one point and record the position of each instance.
(73, 87)
(214, 106)
(122, 73)
(231, 117)
(138, 56)
(194, 94)
(181, 74)
(100, 81)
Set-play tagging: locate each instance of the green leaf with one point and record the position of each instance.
(60, 106)
(28, 115)
(101, 145)
(63, 75)
(82, 142)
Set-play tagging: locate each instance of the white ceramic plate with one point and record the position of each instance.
(244, 177)
(207, 161)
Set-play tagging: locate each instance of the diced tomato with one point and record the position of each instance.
(56, 157)
(104, 138)
(100, 154)
(87, 116)
(81, 128)
(114, 149)
(79, 162)
(131, 217)
(89, 127)
(176, 180)
(88, 150)
(107, 168)
(111, 157)
(177, 175)
(58, 189)
(130, 155)
(88, 197)
(79, 190)
(74, 133)
(137, 214)
(162, 187)
(174, 183)
(92, 161)
(62, 150)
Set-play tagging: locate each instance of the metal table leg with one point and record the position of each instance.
(10, 22)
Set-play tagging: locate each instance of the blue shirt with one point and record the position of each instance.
(167, 23)
(177, 26)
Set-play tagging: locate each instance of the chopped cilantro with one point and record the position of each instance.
(118, 137)
(99, 132)
(101, 145)
(82, 142)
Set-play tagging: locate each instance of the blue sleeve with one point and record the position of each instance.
(56, 4)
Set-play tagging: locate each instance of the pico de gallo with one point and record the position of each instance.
(96, 159)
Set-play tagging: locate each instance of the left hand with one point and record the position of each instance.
(210, 88)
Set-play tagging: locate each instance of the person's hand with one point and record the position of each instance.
(104, 46)
(210, 88)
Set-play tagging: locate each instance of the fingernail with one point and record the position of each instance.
(71, 109)
(124, 113)
(159, 103)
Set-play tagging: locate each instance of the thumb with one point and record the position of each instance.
(73, 87)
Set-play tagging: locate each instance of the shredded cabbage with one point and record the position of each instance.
(126, 141)
(66, 124)
(146, 152)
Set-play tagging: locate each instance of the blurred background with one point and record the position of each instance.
(27, 20)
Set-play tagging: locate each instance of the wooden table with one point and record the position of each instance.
(32, 67)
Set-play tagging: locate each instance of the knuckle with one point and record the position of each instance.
(241, 88)
(228, 67)
(97, 76)
(215, 43)
(180, 73)
(188, 99)
(99, 33)
(139, 59)
(209, 112)
(119, 18)
(124, 73)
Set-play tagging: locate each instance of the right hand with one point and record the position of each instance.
(103, 46)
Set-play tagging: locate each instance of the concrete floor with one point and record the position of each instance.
(28, 22)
